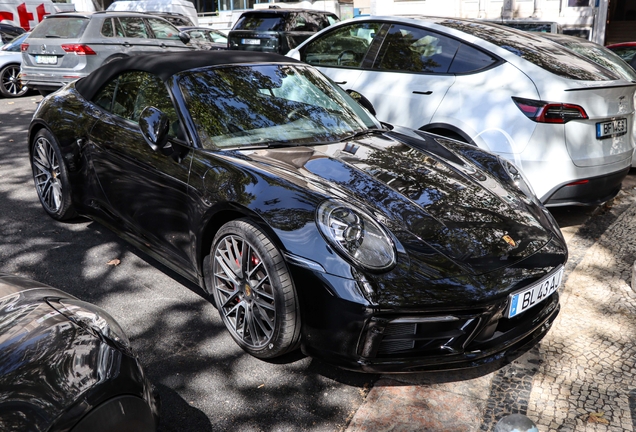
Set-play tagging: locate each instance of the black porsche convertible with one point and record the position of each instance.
(308, 223)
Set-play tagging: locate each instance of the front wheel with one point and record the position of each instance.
(253, 290)
(10, 83)
(51, 177)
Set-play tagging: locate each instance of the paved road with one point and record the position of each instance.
(206, 382)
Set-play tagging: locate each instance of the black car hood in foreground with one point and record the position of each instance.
(438, 205)
(47, 363)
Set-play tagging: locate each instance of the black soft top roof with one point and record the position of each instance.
(165, 65)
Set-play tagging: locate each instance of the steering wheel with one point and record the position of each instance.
(342, 54)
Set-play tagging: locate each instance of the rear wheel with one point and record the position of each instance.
(51, 177)
(253, 290)
(10, 83)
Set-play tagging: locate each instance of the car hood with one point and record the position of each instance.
(428, 193)
(46, 361)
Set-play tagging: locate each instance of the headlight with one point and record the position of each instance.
(356, 235)
(93, 319)
(517, 177)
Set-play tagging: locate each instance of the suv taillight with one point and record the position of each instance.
(24, 47)
(78, 49)
(549, 112)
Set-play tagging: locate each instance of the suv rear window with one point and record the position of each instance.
(60, 27)
(535, 49)
(261, 22)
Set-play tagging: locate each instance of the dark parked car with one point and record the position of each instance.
(626, 51)
(66, 365)
(277, 30)
(375, 248)
(9, 32)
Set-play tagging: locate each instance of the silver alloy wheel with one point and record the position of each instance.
(244, 289)
(11, 84)
(46, 172)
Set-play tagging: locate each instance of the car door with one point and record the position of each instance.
(410, 75)
(146, 191)
(340, 54)
(137, 38)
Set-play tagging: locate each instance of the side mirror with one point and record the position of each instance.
(154, 127)
(185, 38)
(364, 102)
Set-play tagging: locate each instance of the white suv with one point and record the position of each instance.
(566, 121)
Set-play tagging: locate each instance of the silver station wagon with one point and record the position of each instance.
(68, 46)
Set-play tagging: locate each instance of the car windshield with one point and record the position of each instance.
(260, 22)
(535, 49)
(600, 55)
(262, 105)
(60, 27)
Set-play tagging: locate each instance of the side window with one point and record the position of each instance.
(105, 96)
(107, 28)
(412, 49)
(346, 46)
(163, 30)
(469, 59)
(297, 22)
(322, 21)
(128, 95)
(134, 27)
(197, 35)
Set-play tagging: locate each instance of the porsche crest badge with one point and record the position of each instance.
(509, 240)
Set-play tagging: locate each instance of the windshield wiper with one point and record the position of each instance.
(278, 144)
(362, 133)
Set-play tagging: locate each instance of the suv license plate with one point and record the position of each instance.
(46, 59)
(529, 297)
(251, 41)
(610, 129)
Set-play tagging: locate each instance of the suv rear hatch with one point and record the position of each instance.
(53, 45)
(258, 32)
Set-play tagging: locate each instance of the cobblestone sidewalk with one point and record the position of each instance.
(581, 377)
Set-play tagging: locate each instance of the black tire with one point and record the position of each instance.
(51, 176)
(10, 84)
(255, 297)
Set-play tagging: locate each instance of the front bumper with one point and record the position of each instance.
(363, 338)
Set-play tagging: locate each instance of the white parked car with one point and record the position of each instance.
(566, 121)
(10, 61)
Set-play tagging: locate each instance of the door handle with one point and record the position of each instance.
(163, 45)
(340, 82)
(127, 44)
(428, 92)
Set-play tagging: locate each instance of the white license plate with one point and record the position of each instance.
(611, 129)
(45, 59)
(531, 296)
(251, 41)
